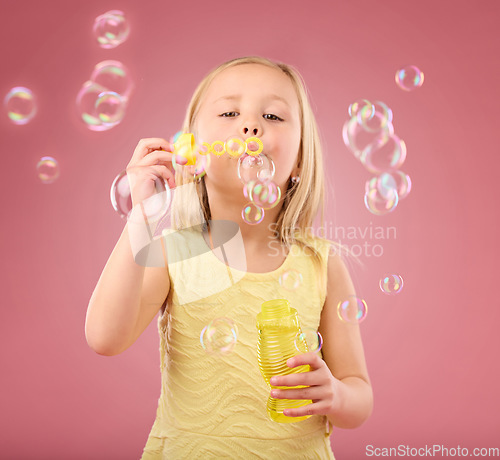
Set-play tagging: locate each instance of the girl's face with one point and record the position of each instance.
(251, 100)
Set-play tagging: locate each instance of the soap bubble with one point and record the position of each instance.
(361, 109)
(252, 168)
(357, 138)
(308, 340)
(379, 204)
(219, 337)
(391, 284)
(20, 104)
(113, 76)
(291, 280)
(352, 310)
(86, 102)
(266, 195)
(111, 29)
(235, 147)
(403, 183)
(384, 155)
(409, 78)
(47, 170)
(110, 108)
(153, 208)
(252, 214)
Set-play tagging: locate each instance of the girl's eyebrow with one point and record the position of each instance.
(236, 97)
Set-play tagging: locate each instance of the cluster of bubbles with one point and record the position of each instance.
(391, 284)
(369, 134)
(21, 106)
(409, 78)
(103, 98)
(219, 337)
(111, 29)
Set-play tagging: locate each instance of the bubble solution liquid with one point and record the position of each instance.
(278, 326)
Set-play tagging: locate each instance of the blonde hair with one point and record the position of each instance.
(301, 201)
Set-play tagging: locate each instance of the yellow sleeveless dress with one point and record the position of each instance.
(214, 406)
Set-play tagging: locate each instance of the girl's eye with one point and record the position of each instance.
(270, 116)
(228, 114)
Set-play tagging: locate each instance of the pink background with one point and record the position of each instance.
(432, 350)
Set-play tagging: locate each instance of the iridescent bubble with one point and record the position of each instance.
(380, 119)
(384, 155)
(357, 138)
(176, 136)
(266, 195)
(110, 108)
(111, 29)
(47, 170)
(235, 146)
(379, 204)
(387, 182)
(154, 206)
(252, 168)
(409, 78)
(361, 109)
(291, 280)
(20, 104)
(352, 310)
(391, 284)
(113, 76)
(86, 102)
(199, 169)
(308, 340)
(252, 214)
(403, 183)
(219, 337)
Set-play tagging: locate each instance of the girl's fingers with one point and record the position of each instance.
(145, 146)
(313, 393)
(302, 378)
(310, 358)
(309, 409)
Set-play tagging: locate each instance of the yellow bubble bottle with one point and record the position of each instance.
(278, 326)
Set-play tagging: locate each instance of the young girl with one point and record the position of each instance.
(212, 405)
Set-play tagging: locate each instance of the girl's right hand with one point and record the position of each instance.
(151, 161)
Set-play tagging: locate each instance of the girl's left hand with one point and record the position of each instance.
(322, 386)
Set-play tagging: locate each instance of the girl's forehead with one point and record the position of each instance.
(253, 79)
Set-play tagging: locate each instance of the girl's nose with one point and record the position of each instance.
(250, 129)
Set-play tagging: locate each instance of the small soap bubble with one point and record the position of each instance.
(357, 138)
(153, 207)
(361, 109)
(409, 78)
(235, 147)
(219, 337)
(352, 310)
(47, 170)
(252, 214)
(113, 76)
(291, 280)
(199, 169)
(379, 204)
(20, 104)
(252, 168)
(110, 108)
(266, 195)
(111, 29)
(391, 284)
(384, 155)
(308, 340)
